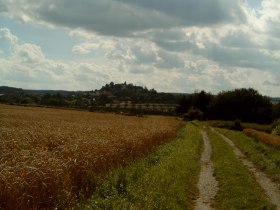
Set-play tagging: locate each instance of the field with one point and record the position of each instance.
(53, 158)
(174, 176)
(272, 140)
(65, 159)
(165, 179)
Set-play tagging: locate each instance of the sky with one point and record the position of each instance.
(169, 45)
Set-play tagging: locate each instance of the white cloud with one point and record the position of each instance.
(6, 34)
(168, 45)
(28, 53)
(85, 48)
(27, 66)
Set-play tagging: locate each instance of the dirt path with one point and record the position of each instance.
(271, 189)
(207, 183)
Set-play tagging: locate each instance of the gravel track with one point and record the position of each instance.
(207, 184)
(270, 188)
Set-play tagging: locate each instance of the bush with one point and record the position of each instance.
(236, 125)
(275, 123)
(276, 131)
(276, 127)
(193, 114)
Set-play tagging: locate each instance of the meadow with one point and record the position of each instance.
(53, 158)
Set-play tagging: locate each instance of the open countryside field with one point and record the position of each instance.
(51, 158)
(59, 159)
(200, 169)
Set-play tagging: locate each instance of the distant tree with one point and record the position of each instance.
(276, 111)
(199, 100)
(244, 104)
(185, 103)
(193, 114)
(45, 100)
(236, 125)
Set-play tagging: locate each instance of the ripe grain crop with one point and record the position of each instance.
(269, 139)
(52, 158)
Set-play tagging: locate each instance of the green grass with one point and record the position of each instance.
(228, 124)
(237, 187)
(219, 123)
(259, 127)
(166, 179)
(264, 157)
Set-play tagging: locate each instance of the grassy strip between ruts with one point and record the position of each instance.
(166, 179)
(237, 187)
(264, 157)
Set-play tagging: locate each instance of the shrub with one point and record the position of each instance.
(193, 114)
(236, 125)
(276, 127)
(276, 130)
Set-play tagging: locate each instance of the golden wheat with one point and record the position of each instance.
(49, 158)
(272, 140)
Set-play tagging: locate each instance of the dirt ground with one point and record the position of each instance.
(207, 183)
(270, 188)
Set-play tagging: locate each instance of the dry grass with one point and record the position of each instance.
(272, 140)
(50, 158)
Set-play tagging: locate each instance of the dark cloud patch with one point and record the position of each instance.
(3, 7)
(239, 57)
(174, 46)
(193, 12)
(238, 39)
(126, 17)
(235, 49)
(103, 16)
(174, 40)
(172, 34)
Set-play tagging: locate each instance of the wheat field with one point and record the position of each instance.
(51, 158)
(270, 139)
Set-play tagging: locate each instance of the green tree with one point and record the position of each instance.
(244, 104)
(276, 111)
(193, 114)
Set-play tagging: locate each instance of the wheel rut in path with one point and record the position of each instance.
(207, 184)
(271, 189)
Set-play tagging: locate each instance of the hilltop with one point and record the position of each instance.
(244, 104)
(109, 97)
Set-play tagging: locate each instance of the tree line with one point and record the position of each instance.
(244, 104)
(247, 105)
(94, 99)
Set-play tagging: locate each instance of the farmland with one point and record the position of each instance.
(51, 158)
(272, 140)
(66, 159)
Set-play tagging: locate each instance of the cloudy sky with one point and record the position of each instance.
(169, 45)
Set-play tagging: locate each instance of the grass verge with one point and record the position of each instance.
(237, 187)
(264, 157)
(166, 179)
(260, 127)
(228, 125)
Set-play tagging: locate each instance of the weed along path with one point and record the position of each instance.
(270, 188)
(207, 184)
